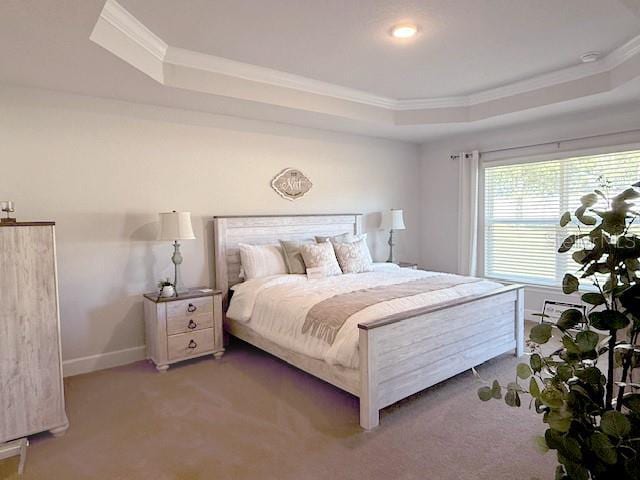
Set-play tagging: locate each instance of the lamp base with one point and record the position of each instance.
(391, 244)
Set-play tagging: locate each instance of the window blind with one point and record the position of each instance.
(523, 203)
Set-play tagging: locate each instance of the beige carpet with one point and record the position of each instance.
(251, 416)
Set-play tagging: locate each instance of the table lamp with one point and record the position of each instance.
(176, 226)
(392, 221)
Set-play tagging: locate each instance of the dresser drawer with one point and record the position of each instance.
(190, 306)
(186, 345)
(189, 323)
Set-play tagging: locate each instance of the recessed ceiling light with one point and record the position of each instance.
(590, 57)
(405, 30)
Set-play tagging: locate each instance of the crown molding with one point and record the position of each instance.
(255, 73)
(120, 18)
(162, 56)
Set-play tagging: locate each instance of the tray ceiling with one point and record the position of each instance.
(137, 58)
(464, 46)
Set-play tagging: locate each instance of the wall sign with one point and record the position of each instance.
(291, 184)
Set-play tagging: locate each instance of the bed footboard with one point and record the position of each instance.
(404, 354)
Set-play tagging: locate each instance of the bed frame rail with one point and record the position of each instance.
(403, 354)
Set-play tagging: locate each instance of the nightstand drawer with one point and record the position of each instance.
(190, 306)
(186, 345)
(193, 322)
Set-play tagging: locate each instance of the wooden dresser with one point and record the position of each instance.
(183, 327)
(31, 389)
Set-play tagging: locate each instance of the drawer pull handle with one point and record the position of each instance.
(191, 308)
(192, 325)
(192, 344)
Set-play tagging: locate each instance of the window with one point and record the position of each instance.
(523, 203)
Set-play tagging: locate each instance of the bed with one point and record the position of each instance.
(398, 353)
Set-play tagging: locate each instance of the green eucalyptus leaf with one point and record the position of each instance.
(541, 444)
(496, 391)
(570, 344)
(613, 222)
(540, 333)
(608, 320)
(576, 471)
(565, 219)
(534, 388)
(564, 372)
(615, 424)
(568, 243)
(587, 341)
(570, 284)
(523, 371)
(632, 402)
(536, 362)
(579, 256)
(589, 200)
(484, 394)
(558, 420)
(593, 298)
(628, 194)
(630, 299)
(569, 319)
(552, 438)
(603, 448)
(591, 375)
(552, 397)
(512, 398)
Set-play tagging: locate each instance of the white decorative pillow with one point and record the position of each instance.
(354, 257)
(261, 260)
(321, 255)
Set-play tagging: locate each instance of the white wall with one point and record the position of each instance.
(439, 201)
(102, 169)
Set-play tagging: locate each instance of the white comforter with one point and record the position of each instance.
(276, 307)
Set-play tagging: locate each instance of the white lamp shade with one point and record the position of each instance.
(176, 226)
(392, 220)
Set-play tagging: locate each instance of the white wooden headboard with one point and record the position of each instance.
(268, 229)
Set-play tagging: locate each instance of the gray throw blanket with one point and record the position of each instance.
(326, 318)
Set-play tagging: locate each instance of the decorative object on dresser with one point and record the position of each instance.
(291, 184)
(392, 220)
(31, 391)
(176, 226)
(166, 289)
(179, 328)
(8, 207)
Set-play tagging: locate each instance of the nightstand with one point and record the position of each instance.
(183, 327)
(413, 266)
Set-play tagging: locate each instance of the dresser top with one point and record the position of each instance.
(27, 224)
(191, 293)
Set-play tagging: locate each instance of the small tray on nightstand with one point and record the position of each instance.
(185, 326)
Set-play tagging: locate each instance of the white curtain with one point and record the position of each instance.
(468, 213)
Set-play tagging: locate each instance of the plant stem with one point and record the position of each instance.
(612, 345)
(626, 364)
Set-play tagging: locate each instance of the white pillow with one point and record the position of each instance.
(321, 258)
(354, 257)
(261, 260)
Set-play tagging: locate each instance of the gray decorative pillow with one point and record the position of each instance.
(321, 255)
(354, 257)
(292, 256)
(342, 238)
(335, 238)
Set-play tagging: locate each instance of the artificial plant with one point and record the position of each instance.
(592, 416)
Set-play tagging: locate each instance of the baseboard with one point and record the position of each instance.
(77, 366)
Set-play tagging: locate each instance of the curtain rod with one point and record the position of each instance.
(544, 144)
